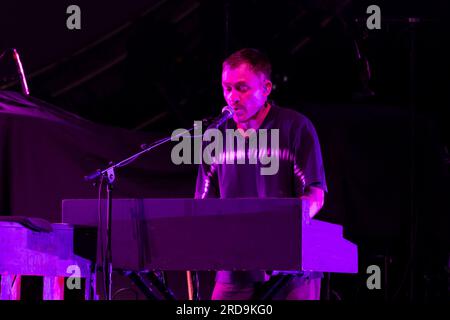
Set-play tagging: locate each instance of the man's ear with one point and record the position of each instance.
(267, 87)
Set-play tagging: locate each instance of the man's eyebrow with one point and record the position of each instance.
(239, 83)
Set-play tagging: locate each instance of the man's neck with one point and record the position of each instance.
(256, 121)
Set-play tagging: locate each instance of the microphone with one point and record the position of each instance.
(227, 113)
(23, 80)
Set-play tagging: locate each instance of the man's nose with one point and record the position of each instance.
(234, 97)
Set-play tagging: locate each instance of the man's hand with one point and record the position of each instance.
(315, 196)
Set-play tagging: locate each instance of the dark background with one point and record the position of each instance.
(378, 98)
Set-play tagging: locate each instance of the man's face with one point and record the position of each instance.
(245, 91)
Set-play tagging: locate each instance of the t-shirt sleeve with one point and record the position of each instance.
(207, 183)
(308, 165)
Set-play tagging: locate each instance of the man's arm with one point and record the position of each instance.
(316, 198)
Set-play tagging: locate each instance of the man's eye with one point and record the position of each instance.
(242, 88)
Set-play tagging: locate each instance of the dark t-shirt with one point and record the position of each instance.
(299, 166)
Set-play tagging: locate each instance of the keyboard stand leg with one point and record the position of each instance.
(142, 284)
(159, 283)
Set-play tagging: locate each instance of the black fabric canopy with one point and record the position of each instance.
(45, 153)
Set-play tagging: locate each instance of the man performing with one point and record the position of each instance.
(246, 87)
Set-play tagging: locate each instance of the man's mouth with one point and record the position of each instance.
(239, 112)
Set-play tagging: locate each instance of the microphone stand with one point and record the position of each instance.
(109, 174)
